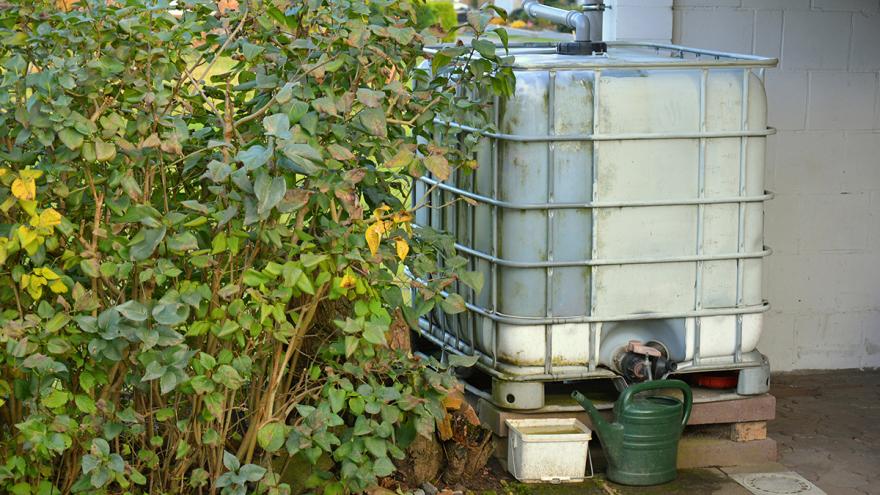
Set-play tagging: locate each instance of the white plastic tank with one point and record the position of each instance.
(621, 198)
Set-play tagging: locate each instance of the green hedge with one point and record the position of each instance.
(204, 241)
(436, 13)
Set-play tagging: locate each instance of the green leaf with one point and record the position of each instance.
(133, 310)
(55, 399)
(485, 47)
(356, 405)
(217, 171)
(277, 125)
(453, 304)
(167, 382)
(383, 467)
(104, 152)
(71, 138)
(90, 268)
(254, 157)
(269, 193)
(438, 165)
(474, 280)
(171, 314)
(184, 241)
(326, 105)
(57, 322)
(228, 377)
(460, 361)
(252, 472)
(373, 120)
(253, 278)
(211, 437)
(89, 463)
(250, 50)
(271, 436)
(376, 446)
(145, 243)
(337, 399)
(58, 345)
(85, 404)
(230, 462)
(375, 334)
(370, 98)
(502, 35)
(439, 61)
(304, 156)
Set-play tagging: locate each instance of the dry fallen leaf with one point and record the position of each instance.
(224, 5)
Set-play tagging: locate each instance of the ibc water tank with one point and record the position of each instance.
(621, 199)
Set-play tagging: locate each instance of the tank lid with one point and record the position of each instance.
(627, 55)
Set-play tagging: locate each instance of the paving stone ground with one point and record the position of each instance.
(828, 428)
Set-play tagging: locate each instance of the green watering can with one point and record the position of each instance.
(641, 445)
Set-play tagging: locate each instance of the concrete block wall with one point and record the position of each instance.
(638, 20)
(823, 279)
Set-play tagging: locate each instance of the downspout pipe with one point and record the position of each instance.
(571, 18)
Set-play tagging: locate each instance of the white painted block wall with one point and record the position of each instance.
(823, 279)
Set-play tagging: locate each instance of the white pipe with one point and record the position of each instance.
(573, 19)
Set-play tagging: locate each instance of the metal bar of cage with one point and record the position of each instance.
(494, 267)
(595, 328)
(594, 136)
(613, 261)
(701, 211)
(600, 204)
(548, 282)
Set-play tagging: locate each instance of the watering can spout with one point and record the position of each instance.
(610, 434)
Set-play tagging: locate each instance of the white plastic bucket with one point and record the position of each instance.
(550, 450)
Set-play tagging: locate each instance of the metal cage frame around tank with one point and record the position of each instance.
(685, 59)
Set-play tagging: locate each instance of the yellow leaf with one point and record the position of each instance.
(26, 235)
(65, 5)
(378, 212)
(49, 218)
(35, 292)
(348, 281)
(402, 217)
(31, 174)
(58, 287)
(7, 204)
(402, 248)
(24, 188)
(37, 281)
(29, 240)
(29, 206)
(373, 236)
(34, 285)
(47, 273)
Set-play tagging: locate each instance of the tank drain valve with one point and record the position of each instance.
(638, 362)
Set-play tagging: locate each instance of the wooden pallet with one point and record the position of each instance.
(725, 429)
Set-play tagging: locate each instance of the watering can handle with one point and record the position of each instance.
(632, 390)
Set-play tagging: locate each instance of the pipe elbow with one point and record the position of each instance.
(581, 25)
